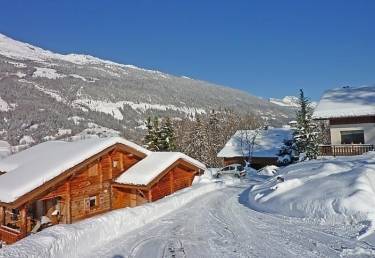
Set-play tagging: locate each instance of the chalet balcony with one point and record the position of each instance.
(345, 149)
(10, 235)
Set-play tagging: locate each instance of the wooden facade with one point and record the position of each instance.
(352, 120)
(86, 190)
(256, 162)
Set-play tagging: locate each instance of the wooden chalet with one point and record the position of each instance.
(350, 113)
(64, 182)
(263, 146)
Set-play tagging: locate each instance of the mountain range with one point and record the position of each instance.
(45, 95)
(290, 101)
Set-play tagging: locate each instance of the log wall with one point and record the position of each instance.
(176, 179)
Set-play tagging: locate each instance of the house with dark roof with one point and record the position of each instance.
(64, 182)
(350, 113)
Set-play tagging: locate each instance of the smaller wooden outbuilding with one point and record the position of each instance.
(63, 182)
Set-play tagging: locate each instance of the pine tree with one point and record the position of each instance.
(151, 137)
(158, 141)
(159, 136)
(148, 139)
(167, 137)
(307, 136)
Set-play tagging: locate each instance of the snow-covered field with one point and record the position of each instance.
(323, 208)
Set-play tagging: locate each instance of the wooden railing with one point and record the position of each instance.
(9, 235)
(345, 149)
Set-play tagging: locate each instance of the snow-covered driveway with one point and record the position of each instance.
(220, 224)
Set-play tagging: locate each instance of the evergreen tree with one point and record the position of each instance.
(307, 136)
(150, 139)
(167, 137)
(159, 137)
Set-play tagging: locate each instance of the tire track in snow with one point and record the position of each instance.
(219, 225)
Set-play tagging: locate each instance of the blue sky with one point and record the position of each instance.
(268, 48)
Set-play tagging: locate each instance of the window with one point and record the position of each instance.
(352, 137)
(115, 163)
(93, 201)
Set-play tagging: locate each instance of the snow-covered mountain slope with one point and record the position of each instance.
(288, 101)
(42, 91)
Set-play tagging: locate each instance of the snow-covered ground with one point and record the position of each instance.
(333, 191)
(319, 210)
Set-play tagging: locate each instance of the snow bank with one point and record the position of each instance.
(340, 190)
(76, 239)
(270, 170)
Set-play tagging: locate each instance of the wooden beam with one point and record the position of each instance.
(100, 171)
(121, 161)
(23, 218)
(68, 201)
(2, 215)
(149, 195)
(110, 167)
(141, 187)
(171, 179)
(133, 198)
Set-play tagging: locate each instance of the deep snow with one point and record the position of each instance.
(333, 191)
(220, 224)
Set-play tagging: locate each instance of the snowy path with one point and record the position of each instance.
(221, 225)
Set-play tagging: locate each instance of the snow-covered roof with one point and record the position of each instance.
(267, 143)
(146, 170)
(33, 167)
(346, 102)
